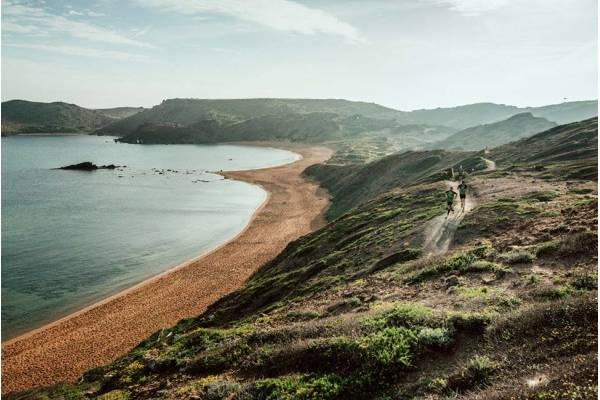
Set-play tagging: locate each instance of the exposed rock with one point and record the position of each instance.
(89, 166)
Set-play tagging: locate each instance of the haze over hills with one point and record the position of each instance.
(358, 310)
(314, 120)
(186, 120)
(484, 113)
(21, 116)
(491, 135)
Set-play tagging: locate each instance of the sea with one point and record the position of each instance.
(71, 238)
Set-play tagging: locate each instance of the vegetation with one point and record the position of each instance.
(491, 135)
(355, 310)
(20, 116)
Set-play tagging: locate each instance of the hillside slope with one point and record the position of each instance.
(21, 116)
(185, 112)
(205, 121)
(352, 185)
(495, 134)
(485, 113)
(355, 310)
(567, 151)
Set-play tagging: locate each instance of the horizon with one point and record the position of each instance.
(305, 98)
(409, 55)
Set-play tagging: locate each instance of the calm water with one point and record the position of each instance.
(70, 238)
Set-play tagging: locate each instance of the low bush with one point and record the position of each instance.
(547, 248)
(579, 244)
(516, 257)
(585, 282)
(469, 321)
(476, 374)
(435, 338)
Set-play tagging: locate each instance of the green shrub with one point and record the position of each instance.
(469, 321)
(552, 293)
(114, 395)
(458, 262)
(585, 282)
(407, 315)
(581, 191)
(517, 257)
(580, 244)
(323, 387)
(477, 373)
(390, 346)
(435, 338)
(542, 196)
(547, 248)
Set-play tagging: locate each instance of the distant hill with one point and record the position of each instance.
(495, 134)
(566, 151)
(120, 112)
(164, 122)
(484, 113)
(185, 112)
(21, 116)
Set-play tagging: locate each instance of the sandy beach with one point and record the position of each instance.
(63, 350)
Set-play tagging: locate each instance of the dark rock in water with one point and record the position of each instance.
(89, 166)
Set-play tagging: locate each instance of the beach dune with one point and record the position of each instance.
(63, 350)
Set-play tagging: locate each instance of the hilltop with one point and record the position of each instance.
(491, 135)
(315, 120)
(359, 309)
(21, 116)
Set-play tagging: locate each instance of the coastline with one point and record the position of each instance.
(62, 350)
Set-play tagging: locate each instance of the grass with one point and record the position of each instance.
(477, 373)
(519, 256)
(459, 262)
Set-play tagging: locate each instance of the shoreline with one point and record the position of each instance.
(97, 334)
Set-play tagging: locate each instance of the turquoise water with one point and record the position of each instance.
(70, 238)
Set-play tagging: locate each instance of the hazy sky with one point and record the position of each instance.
(405, 54)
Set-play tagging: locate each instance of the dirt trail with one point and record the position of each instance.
(440, 230)
(491, 165)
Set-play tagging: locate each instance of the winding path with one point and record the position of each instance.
(439, 232)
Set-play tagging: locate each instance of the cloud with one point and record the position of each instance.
(280, 15)
(82, 51)
(471, 7)
(39, 20)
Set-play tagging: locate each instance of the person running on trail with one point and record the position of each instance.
(450, 195)
(462, 191)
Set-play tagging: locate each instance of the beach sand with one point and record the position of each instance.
(63, 350)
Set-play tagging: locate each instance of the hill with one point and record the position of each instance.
(466, 116)
(352, 185)
(185, 112)
(491, 135)
(357, 309)
(186, 120)
(116, 113)
(21, 116)
(566, 151)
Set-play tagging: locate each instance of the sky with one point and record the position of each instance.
(405, 54)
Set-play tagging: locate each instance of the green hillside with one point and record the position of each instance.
(120, 112)
(356, 309)
(355, 184)
(567, 151)
(184, 112)
(495, 134)
(21, 116)
(313, 120)
(466, 116)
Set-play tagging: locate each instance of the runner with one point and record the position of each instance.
(462, 191)
(450, 195)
